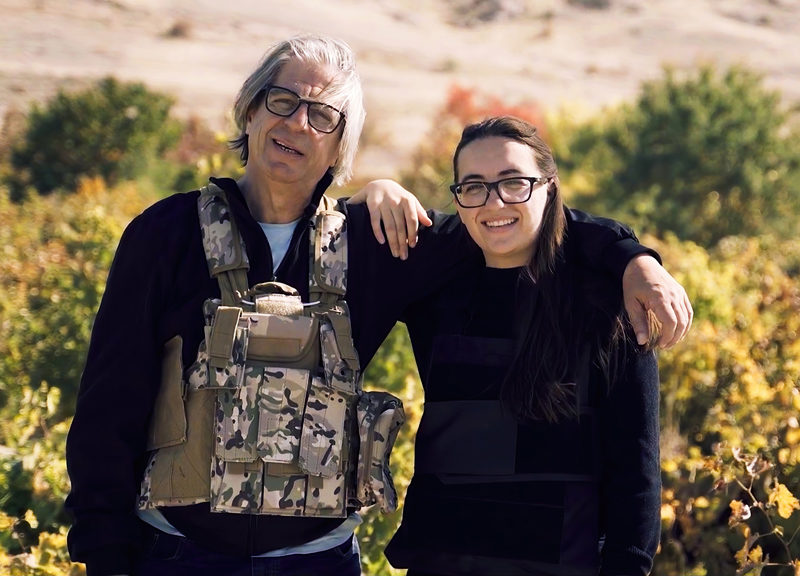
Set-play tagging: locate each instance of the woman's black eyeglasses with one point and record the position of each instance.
(514, 190)
(284, 102)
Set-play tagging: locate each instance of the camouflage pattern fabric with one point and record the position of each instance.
(328, 273)
(210, 307)
(281, 399)
(326, 496)
(236, 421)
(236, 487)
(284, 495)
(232, 374)
(197, 373)
(322, 437)
(144, 500)
(223, 251)
(380, 416)
(337, 372)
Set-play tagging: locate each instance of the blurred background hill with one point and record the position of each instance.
(585, 54)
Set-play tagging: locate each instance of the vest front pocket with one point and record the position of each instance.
(326, 496)
(236, 486)
(284, 490)
(168, 421)
(322, 437)
(380, 416)
(178, 475)
(281, 399)
(237, 419)
(283, 340)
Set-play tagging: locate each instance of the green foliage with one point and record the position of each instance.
(56, 254)
(392, 369)
(113, 130)
(57, 251)
(732, 387)
(704, 157)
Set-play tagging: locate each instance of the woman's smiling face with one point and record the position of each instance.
(506, 233)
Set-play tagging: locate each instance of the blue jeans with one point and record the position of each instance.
(176, 556)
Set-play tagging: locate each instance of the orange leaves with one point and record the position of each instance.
(466, 105)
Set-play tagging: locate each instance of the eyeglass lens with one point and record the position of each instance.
(510, 190)
(283, 102)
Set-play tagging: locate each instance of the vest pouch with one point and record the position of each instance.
(380, 416)
(168, 420)
(227, 347)
(326, 496)
(284, 490)
(236, 486)
(281, 398)
(288, 341)
(330, 242)
(236, 423)
(335, 365)
(322, 438)
(178, 475)
(277, 298)
(289, 492)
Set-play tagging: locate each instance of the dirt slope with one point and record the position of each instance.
(409, 51)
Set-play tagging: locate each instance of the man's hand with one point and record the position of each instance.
(647, 286)
(398, 209)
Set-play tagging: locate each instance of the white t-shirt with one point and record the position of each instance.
(279, 237)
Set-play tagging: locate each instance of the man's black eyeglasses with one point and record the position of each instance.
(515, 190)
(284, 102)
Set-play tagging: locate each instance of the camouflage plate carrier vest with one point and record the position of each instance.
(271, 417)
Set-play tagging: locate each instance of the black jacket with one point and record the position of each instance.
(495, 495)
(155, 290)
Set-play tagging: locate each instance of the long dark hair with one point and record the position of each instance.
(549, 333)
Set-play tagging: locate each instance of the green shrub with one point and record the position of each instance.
(704, 156)
(114, 130)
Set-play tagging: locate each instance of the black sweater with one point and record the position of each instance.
(155, 290)
(492, 495)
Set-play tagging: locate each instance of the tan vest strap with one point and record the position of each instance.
(232, 286)
(328, 255)
(223, 245)
(344, 338)
(220, 345)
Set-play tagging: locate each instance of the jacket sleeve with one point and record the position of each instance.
(631, 489)
(106, 441)
(604, 244)
(380, 287)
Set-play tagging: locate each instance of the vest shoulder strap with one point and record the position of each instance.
(328, 256)
(226, 254)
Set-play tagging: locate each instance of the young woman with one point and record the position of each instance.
(538, 449)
